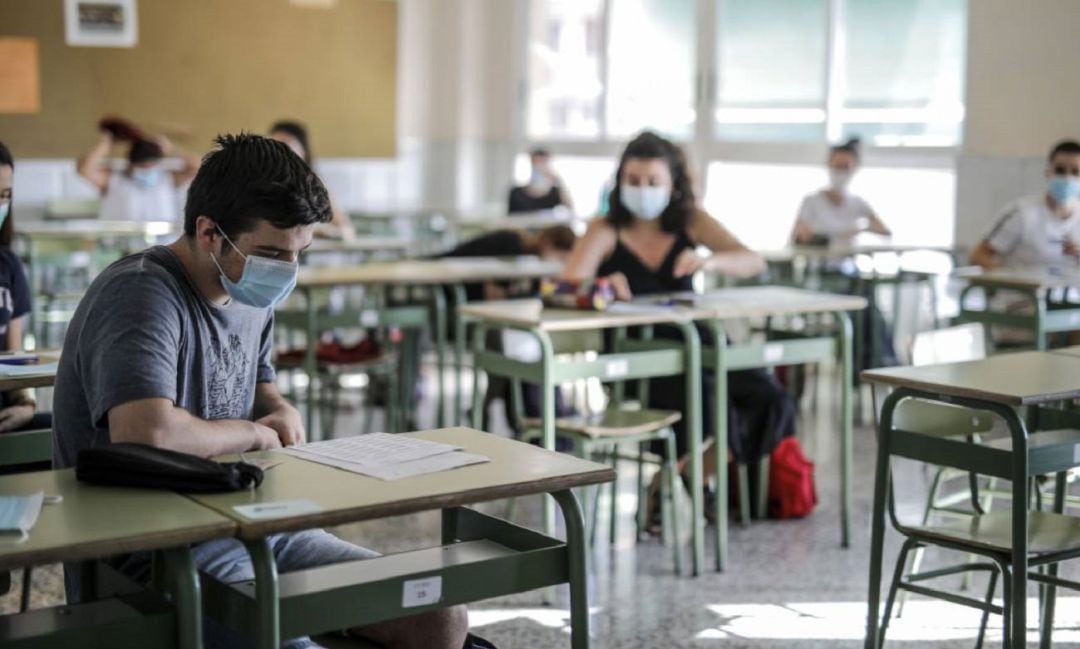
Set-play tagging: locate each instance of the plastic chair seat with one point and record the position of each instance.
(1047, 532)
(613, 422)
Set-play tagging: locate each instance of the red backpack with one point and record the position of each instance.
(791, 481)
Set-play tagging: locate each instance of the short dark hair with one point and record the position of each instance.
(145, 151)
(676, 215)
(7, 231)
(560, 237)
(539, 152)
(248, 178)
(1068, 147)
(298, 131)
(853, 147)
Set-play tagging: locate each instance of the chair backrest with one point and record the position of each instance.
(966, 342)
(73, 208)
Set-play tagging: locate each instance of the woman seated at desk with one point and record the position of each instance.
(145, 190)
(16, 406)
(648, 243)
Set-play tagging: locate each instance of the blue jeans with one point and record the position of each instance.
(227, 560)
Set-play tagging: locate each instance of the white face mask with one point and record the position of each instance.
(839, 179)
(645, 202)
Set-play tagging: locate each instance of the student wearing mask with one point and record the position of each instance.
(171, 347)
(1042, 229)
(648, 243)
(545, 190)
(145, 190)
(295, 135)
(17, 407)
(834, 215)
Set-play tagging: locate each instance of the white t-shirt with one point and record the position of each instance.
(1028, 233)
(838, 222)
(124, 200)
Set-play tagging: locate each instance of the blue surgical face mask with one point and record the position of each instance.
(5, 209)
(646, 202)
(1064, 189)
(20, 513)
(264, 282)
(148, 177)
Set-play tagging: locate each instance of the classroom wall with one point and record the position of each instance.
(1022, 96)
(205, 66)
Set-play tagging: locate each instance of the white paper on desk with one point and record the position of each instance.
(433, 464)
(637, 307)
(372, 449)
(25, 370)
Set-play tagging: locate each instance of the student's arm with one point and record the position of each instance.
(730, 257)
(564, 196)
(190, 161)
(803, 230)
(274, 412)
(590, 251)
(877, 226)
(21, 411)
(158, 422)
(983, 255)
(91, 165)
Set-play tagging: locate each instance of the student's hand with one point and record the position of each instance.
(15, 417)
(803, 232)
(493, 291)
(167, 148)
(688, 262)
(621, 286)
(286, 423)
(1070, 248)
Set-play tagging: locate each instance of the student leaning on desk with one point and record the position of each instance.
(171, 346)
(16, 406)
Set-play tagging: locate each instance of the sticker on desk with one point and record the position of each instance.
(773, 352)
(615, 369)
(421, 592)
(1076, 454)
(369, 318)
(277, 509)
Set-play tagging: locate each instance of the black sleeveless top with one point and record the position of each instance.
(642, 279)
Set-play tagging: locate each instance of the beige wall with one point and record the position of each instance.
(1023, 78)
(206, 66)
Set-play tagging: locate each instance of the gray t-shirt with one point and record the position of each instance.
(144, 330)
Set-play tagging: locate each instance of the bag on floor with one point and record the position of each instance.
(791, 481)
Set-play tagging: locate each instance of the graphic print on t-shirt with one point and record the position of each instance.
(6, 309)
(230, 384)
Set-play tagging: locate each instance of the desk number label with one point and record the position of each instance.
(1076, 454)
(369, 318)
(615, 369)
(773, 353)
(421, 592)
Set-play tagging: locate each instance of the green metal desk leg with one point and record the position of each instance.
(479, 333)
(1019, 529)
(460, 299)
(183, 580)
(267, 631)
(844, 335)
(547, 412)
(1041, 343)
(721, 400)
(1047, 619)
(439, 304)
(575, 547)
(692, 365)
(877, 519)
(310, 365)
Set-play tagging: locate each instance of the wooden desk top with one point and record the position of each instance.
(364, 243)
(761, 301)
(92, 229)
(721, 304)
(840, 252)
(26, 377)
(531, 313)
(95, 522)
(1022, 278)
(430, 272)
(516, 469)
(1018, 379)
(1069, 351)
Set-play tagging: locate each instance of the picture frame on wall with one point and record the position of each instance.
(101, 23)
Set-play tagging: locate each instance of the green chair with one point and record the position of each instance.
(947, 435)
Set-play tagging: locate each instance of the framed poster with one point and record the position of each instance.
(100, 23)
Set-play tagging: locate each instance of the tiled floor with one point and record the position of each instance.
(789, 583)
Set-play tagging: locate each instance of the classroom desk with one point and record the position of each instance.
(481, 556)
(548, 371)
(28, 377)
(1050, 315)
(27, 446)
(97, 522)
(454, 273)
(523, 221)
(999, 384)
(713, 308)
(361, 245)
